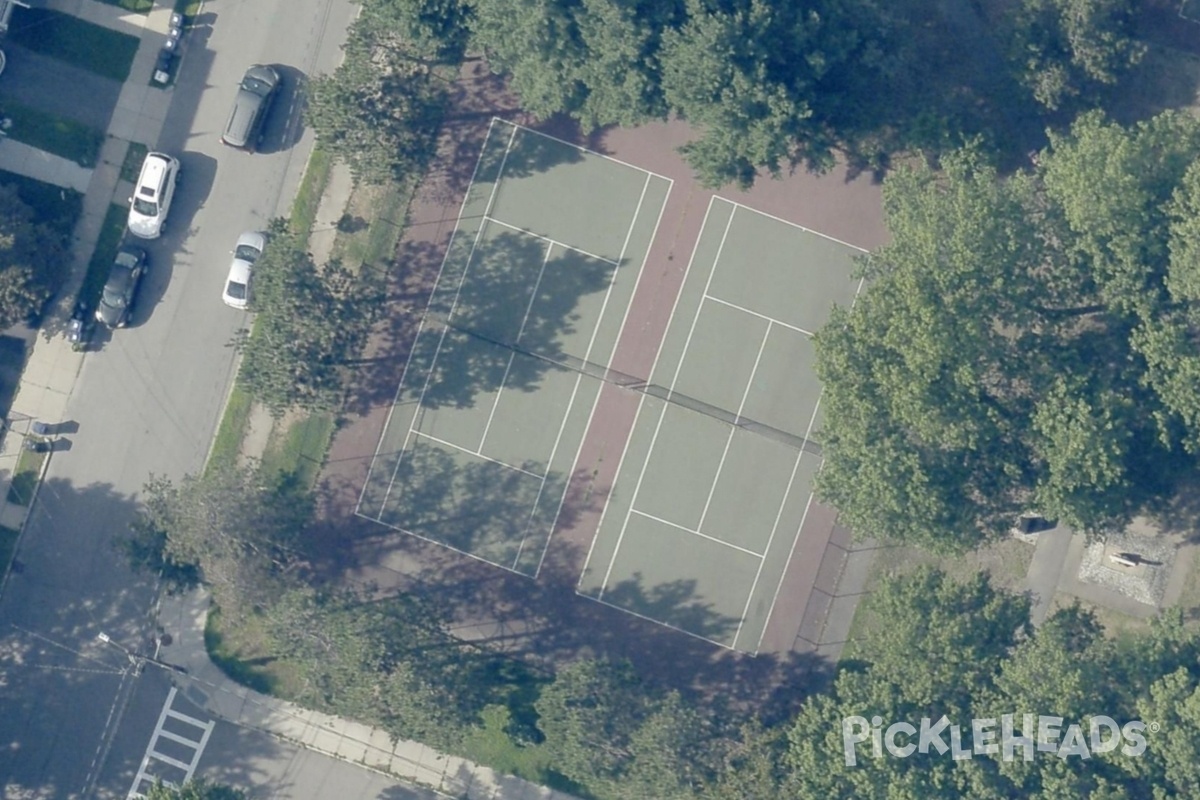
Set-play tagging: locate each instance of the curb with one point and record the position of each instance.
(37, 488)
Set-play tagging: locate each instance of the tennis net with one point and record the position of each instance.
(636, 384)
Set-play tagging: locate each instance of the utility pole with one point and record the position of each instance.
(138, 661)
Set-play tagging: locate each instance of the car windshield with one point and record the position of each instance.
(246, 253)
(256, 86)
(115, 289)
(236, 290)
(145, 207)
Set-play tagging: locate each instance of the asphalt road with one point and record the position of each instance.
(225, 753)
(147, 402)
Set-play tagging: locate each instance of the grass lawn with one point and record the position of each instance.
(102, 257)
(25, 477)
(131, 167)
(1006, 562)
(57, 207)
(299, 448)
(8, 547)
(100, 50)
(241, 651)
(231, 431)
(136, 6)
(189, 8)
(382, 207)
(308, 196)
(57, 135)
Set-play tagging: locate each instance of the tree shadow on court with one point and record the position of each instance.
(674, 603)
(501, 308)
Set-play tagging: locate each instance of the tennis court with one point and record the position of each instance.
(488, 416)
(715, 482)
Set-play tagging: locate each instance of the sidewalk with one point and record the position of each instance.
(183, 617)
(52, 366)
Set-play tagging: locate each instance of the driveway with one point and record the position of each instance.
(54, 86)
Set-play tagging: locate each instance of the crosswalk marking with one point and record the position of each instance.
(204, 729)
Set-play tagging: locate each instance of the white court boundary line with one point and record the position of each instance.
(775, 529)
(612, 282)
(662, 416)
(641, 401)
(442, 338)
(792, 552)
(421, 325)
(580, 148)
(533, 296)
(736, 204)
(770, 320)
(556, 242)
(713, 539)
(459, 448)
(733, 429)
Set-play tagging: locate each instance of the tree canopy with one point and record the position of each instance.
(767, 85)
(1022, 343)
(964, 650)
(312, 321)
(33, 261)
(197, 789)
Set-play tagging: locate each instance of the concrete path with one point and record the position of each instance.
(329, 212)
(183, 617)
(1046, 569)
(27, 160)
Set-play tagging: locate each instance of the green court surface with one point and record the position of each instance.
(479, 444)
(715, 481)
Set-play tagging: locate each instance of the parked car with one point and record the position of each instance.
(250, 107)
(237, 285)
(152, 195)
(120, 290)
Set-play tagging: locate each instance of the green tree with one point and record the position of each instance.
(196, 789)
(312, 322)
(1061, 49)
(239, 532)
(589, 715)
(380, 110)
(390, 662)
(33, 260)
(1020, 343)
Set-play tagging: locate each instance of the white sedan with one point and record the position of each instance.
(237, 285)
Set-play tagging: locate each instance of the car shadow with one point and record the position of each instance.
(285, 121)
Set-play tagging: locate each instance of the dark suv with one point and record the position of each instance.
(250, 107)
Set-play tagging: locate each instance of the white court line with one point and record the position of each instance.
(641, 400)
(792, 551)
(756, 314)
(793, 224)
(574, 392)
(774, 529)
(582, 149)
(452, 445)
(655, 621)
(712, 490)
(658, 427)
(533, 296)
(421, 325)
(554, 242)
(730, 545)
(442, 338)
(451, 547)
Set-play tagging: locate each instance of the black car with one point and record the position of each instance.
(250, 107)
(121, 287)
